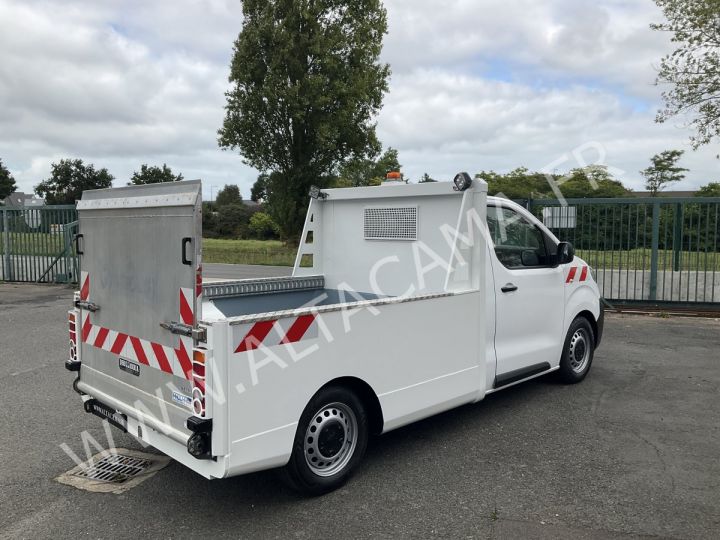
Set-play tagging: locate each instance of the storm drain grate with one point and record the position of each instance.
(115, 468)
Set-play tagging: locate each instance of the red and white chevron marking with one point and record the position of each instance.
(573, 272)
(248, 337)
(176, 361)
(84, 285)
(187, 316)
(173, 361)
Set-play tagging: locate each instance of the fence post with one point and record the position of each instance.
(654, 250)
(678, 236)
(7, 266)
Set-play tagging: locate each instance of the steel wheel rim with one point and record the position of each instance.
(579, 350)
(330, 439)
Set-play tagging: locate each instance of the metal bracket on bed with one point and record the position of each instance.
(249, 287)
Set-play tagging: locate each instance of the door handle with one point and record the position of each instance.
(77, 238)
(509, 287)
(185, 242)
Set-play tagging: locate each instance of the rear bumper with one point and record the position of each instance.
(133, 413)
(151, 431)
(600, 325)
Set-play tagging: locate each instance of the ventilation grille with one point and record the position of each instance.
(115, 469)
(391, 223)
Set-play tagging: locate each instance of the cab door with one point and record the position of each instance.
(529, 296)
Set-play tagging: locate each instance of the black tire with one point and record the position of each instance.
(578, 352)
(330, 441)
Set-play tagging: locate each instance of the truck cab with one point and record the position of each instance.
(528, 282)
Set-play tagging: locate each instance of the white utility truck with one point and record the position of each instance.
(405, 301)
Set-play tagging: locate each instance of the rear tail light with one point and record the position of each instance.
(199, 444)
(73, 336)
(198, 382)
(73, 362)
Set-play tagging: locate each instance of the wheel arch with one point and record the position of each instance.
(368, 397)
(584, 301)
(587, 314)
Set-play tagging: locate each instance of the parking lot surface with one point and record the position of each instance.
(631, 452)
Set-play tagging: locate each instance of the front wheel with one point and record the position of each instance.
(577, 355)
(330, 441)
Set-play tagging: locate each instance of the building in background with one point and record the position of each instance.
(23, 200)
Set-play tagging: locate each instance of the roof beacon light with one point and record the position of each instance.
(393, 178)
(462, 181)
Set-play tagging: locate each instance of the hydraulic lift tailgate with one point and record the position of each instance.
(140, 280)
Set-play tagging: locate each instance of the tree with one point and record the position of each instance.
(306, 84)
(589, 182)
(593, 181)
(230, 194)
(519, 183)
(154, 175)
(69, 178)
(426, 178)
(258, 193)
(7, 182)
(231, 220)
(262, 226)
(709, 190)
(367, 172)
(663, 170)
(693, 69)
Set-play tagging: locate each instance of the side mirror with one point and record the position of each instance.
(528, 257)
(565, 253)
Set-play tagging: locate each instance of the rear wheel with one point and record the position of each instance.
(330, 441)
(577, 355)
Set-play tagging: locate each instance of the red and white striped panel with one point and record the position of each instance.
(84, 285)
(248, 337)
(184, 351)
(187, 303)
(175, 361)
(572, 273)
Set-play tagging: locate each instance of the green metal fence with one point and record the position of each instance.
(644, 250)
(36, 244)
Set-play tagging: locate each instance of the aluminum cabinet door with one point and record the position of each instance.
(140, 265)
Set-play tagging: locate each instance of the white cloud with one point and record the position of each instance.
(476, 85)
(451, 122)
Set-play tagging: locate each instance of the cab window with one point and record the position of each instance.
(518, 242)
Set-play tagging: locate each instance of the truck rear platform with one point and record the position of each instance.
(387, 299)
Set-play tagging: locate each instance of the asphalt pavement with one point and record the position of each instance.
(631, 452)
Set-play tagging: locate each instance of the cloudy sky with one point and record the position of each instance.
(476, 85)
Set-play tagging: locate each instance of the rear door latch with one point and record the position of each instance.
(84, 304)
(198, 334)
